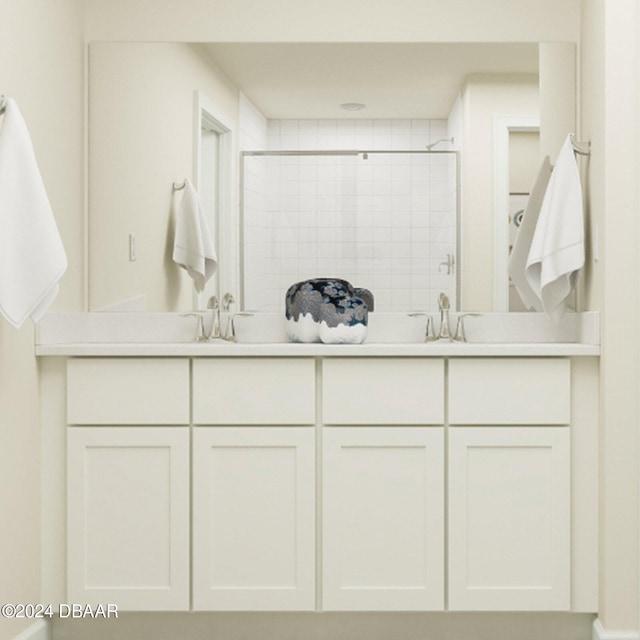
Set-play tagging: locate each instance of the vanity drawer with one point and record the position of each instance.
(275, 391)
(128, 391)
(509, 391)
(370, 391)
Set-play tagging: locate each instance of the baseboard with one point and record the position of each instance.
(600, 633)
(40, 630)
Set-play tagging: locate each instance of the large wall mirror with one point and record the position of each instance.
(398, 196)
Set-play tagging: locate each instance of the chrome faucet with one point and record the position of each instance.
(229, 332)
(214, 331)
(461, 336)
(444, 306)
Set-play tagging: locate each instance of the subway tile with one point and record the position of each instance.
(308, 127)
(399, 252)
(401, 204)
(307, 172)
(400, 220)
(401, 188)
(307, 188)
(289, 143)
(381, 204)
(401, 235)
(289, 127)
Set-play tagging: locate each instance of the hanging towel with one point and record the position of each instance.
(557, 249)
(522, 242)
(32, 257)
(193, 247)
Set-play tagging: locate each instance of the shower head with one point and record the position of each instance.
(433, 144)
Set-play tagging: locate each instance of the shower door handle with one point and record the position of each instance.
(449, 264)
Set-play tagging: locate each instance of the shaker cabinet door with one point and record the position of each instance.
(254, 519)
(128, 517)
(509, 519)
(383, 519)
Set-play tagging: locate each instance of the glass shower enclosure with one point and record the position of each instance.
(384, 220)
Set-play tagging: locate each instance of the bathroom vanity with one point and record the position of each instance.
(283, 477)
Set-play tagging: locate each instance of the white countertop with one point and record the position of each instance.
(227, 349)
(391, 334)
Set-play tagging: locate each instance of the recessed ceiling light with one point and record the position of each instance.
(353, 106)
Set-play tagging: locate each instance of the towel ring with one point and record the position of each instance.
(177, 186)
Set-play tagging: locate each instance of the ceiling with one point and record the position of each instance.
(417, 80)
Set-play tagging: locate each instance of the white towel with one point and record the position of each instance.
(193, 247)
(32, 257)
(557, 249)
(524, 236)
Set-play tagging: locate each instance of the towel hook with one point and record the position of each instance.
(3, 104)
(177, 186)
(578, 147)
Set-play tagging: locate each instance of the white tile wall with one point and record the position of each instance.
(386, 223)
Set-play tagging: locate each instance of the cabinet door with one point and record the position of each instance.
(509, 518)
(383, 519)
(128, 517)
(254, 518)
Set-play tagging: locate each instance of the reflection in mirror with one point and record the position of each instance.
(383, 220)
(288, 96)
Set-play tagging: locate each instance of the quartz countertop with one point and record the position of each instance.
(228, 349)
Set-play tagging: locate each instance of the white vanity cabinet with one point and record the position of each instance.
(128, 485)
(332, 483)
(254, 486)
(254, 518)
(509, 485)
(383, 484)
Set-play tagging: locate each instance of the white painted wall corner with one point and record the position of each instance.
(40, 630)
(600, 633)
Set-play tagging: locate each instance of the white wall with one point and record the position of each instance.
(610, 115)
(485, 98)
(41, 54)
(558, 95)
(524, 160)
(141, 140)
(335, 20)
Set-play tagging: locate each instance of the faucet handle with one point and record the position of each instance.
(200, 334)
(230, 332)
(227, 301)
(429, 332)
(443, 302)
(214, 306)
(460, 335)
